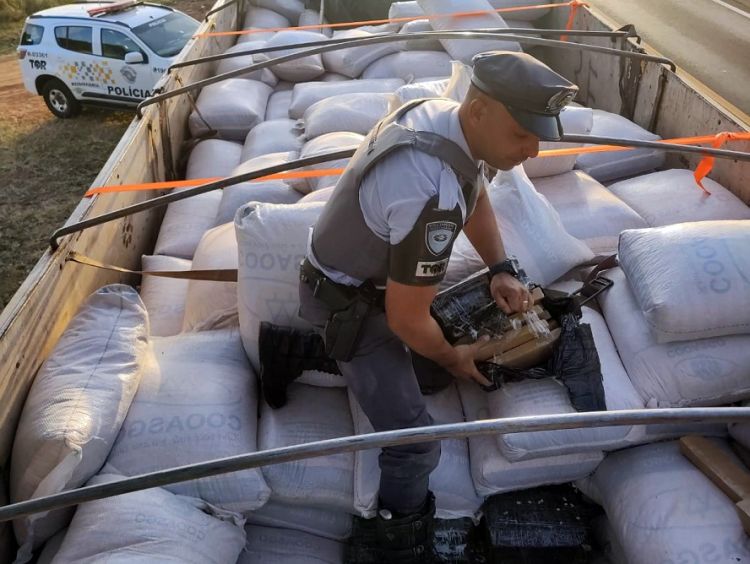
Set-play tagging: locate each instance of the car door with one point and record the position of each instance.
(128, 82)
(75, 62)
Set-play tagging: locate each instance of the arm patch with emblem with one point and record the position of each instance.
(421, 259)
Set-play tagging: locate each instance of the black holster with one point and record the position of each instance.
(349, 307)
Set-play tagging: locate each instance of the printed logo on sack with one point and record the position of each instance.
(438, 235)
(706, 368)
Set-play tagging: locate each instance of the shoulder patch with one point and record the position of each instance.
(438, 235)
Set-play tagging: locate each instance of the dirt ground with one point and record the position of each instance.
(46, 164)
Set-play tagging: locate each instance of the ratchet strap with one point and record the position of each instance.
(216, 275)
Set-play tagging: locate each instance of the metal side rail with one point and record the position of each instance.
(183, 194)
(668, 147)
(706, 415)
(219, 9)
(343, 41)
(309, 161)
(461, 35)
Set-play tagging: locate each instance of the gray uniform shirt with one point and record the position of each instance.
(394, 193)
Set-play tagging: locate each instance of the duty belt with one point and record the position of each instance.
(339, 296)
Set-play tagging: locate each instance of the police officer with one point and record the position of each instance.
(382, 245)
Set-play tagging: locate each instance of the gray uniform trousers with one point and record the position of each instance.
(382, 378)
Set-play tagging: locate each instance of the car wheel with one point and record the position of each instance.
(60, 100)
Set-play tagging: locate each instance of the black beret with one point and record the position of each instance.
(532, 92)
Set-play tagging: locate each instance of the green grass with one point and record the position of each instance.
(10, 32)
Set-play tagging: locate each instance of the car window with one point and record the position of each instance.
(74, 38)
(32, 34)
(167, 36)
(116, 44)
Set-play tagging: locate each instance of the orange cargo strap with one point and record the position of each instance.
(170, 184)
(217, 275)
(704, 167)
(707, 163)
(573, 4)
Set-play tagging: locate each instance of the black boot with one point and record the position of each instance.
(395, 539)
(284, 353)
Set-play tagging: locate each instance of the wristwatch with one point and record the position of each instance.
(509, 265)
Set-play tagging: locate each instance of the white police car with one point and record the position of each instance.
(109, 53)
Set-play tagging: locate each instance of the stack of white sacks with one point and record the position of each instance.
(190, 393)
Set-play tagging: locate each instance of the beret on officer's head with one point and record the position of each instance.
(532, 92)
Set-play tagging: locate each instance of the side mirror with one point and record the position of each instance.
(134, 58)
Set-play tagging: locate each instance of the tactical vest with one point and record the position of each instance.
(341, 239)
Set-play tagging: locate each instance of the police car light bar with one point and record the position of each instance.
(114, 7)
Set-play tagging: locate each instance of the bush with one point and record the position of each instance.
(11, 10)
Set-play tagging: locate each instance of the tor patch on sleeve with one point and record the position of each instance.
(421, 259)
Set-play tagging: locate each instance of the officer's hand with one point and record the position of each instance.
(464, 366)
(510, 295)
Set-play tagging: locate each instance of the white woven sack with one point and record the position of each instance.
(333, 77)
(213, 157)
(459, 82)
(197, 402)
(588, 210)
(575, 121)
(269, 192)
(522, 15)
(531, 230)
(312, 17)
(455, 496)
(543, 397)
(212, 305)
(493, 473)
(410, 65)
(51, 548)
(405, 10)
(322, 195)
(672, 196)
(353, 60)
(692, 281)
(356, 113)
(328, 143)
(310, 414)
(419, 26)
(412, 9)
(185, 222)
(266, 545)
(76, 405)
(334, 525)
(272, 241)
(458, 49)
(150, 526)
(298, 70)
(662, 508)
(713, 371)
(164, 298)
(265, 161)
(263, 18)
(305, 95)
(290, 9)
(278, 105)
(274, 136)
(235, 63)
(606, 166)
(414, 91)
(232, 107)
